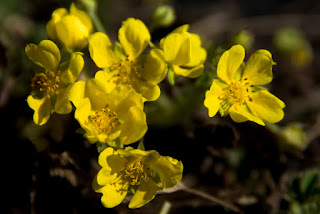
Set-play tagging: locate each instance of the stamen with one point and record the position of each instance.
(104, 120)
(46, 82)
(136, 172)
(128, 70)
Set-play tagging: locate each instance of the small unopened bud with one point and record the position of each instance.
(163, 16)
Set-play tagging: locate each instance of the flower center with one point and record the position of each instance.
(104, 120)
(46, 83)
(128, 70)
(237, 93)
(136, 172)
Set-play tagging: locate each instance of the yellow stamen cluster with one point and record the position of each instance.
(104, 120)
(237, 93)
(46, 82)
(128, 71)
(136, 172)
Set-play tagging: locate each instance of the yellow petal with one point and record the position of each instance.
(258, 69)
(72, 33)
(181, 29)
(149, 92)
(106, 78)
(176, 48)
(168, 169)
(82, 113)
(123, 97)
(113, 193)
(63, 105)
(154, 69)
(134, 126)
(105, 177)
(197, 54)
(134, 37)
(229, 63)
(75, 67)
(83, 16)
(100, 49)
(97, 94)
(189, 72)
(46, 54)
(76, 93)
(102, 159)
(42, 109)
(266, 106)
(57, 15)
(241, 114)
(144, 194)
(212, 101)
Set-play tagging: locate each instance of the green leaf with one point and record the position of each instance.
(101, 146)
(141, 145)
(309, 183)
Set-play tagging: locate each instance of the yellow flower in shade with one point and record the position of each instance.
(238, 91)
(183, 52)
(144, 172)
(50, 88)
(108, 116)
(70, 29)
(125, 64)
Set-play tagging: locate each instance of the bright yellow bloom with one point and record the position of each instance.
(237, 91)
(183, 52)
(125, 64)
(144, 172)
(108, 115)
(70, 29)
(50, 88)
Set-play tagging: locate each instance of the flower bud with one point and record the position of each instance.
(70, 29)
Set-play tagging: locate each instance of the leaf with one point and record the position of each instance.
(141, 145)
(101, 146)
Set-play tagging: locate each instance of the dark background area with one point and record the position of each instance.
(49, 169)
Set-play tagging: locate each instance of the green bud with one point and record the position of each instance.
(244, 38)
(163, 16)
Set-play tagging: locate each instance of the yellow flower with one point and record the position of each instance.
(108, 115)
(70, 29)
(125, 64)
(50, 88)
(237, 91)
(144, 172)
(183, 52)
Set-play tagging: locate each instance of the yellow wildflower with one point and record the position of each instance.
(108, 115)
(125, 64)
(70, 29)
(183, 52)
(144, 172)
(237, 90)
(50, 88)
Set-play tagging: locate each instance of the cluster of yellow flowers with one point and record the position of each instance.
(110, 106)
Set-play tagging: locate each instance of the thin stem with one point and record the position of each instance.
(97, 23)
(91, 8)
(209, 197)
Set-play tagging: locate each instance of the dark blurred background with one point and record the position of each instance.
(48, 169)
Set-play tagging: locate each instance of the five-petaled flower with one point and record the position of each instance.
(238, 91)
(183, 52)
(108, 115)
(143, 172)
(70, 29)
(125, 64)
(51, 88)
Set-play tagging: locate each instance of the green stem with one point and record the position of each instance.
(97, 23)
(91, 8)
